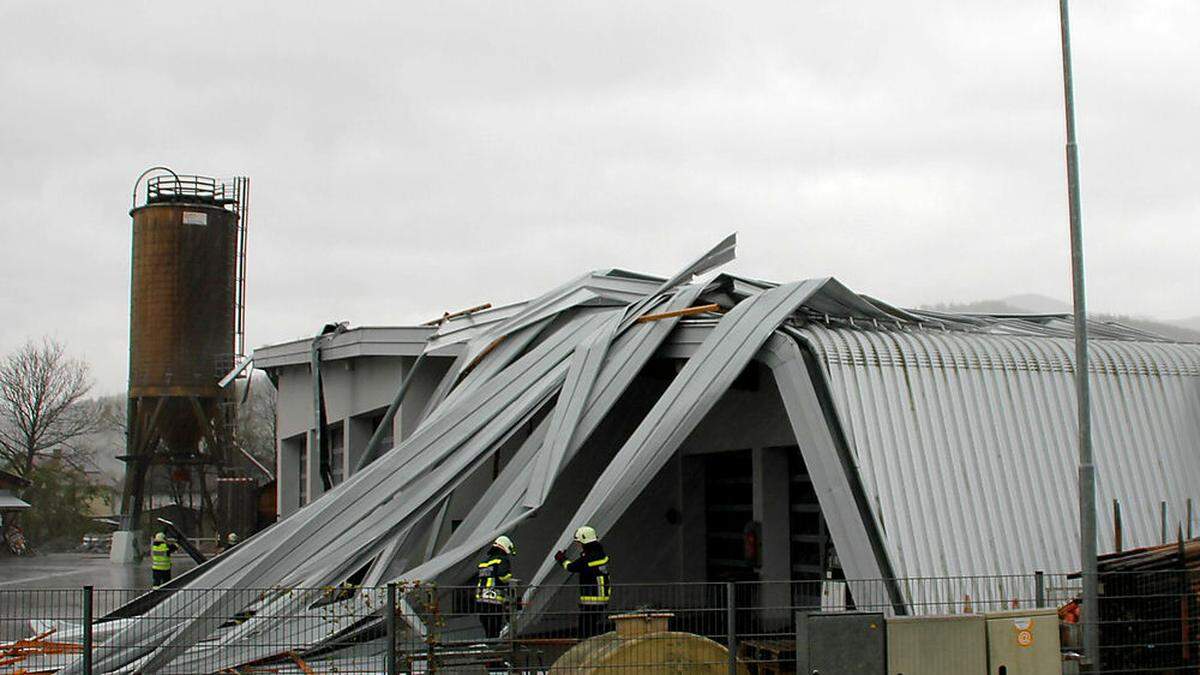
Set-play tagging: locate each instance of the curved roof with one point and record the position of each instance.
(954, 434)
(966, 442)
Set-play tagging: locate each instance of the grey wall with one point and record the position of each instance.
(356, 391)
(645, 546)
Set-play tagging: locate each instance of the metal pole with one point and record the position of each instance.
(1087, 469)
(87, 629)
(731, 627)
(390, 623)
(1039, 589)
(1118, 532)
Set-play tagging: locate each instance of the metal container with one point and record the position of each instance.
(643, 644)
(937, 645)
(841, 643)
(1023, 642)
(183, 304)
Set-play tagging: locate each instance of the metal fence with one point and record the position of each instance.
(1149, 624)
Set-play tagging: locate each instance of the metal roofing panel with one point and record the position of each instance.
(691, 394)
(366, 513)
(317, 529)
(966, 442)
(524, 482)
(523, 485)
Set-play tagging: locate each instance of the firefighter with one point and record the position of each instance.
(491, 585)
(160, 559)
(231, 540)
(595, 587)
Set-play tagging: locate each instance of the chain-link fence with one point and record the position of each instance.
(1149, 623)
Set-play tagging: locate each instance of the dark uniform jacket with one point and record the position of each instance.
(491, 579)
(592, 568)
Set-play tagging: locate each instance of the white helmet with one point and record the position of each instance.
(232, 538)
(505, 544)
(160, 537)
(586, 535)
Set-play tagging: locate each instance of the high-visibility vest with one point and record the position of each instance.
(160, 556)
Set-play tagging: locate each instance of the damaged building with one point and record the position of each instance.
(714, 430)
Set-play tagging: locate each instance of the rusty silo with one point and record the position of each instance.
(185, 327)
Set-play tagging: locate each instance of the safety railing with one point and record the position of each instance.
(1149, 623)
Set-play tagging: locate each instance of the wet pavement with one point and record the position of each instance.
(76, 570)
(50, 587)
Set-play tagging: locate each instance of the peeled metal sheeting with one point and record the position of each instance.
(371, 505)
(704, 378)
(516, 495)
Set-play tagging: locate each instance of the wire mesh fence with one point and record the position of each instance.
(1149, 623)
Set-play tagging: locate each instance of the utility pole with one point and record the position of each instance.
(1087, 469)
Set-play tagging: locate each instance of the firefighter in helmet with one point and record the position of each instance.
(595, 587)
(492, 577)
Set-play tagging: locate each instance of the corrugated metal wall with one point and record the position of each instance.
(966, 442)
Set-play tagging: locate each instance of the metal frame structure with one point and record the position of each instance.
(558, 365)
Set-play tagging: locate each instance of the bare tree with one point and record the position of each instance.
(257, 419)
(42, 406)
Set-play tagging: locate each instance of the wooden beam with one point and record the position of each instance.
(479, 357)
(454, 315)
(702, 309)
(300, 662)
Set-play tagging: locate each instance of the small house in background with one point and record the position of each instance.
(9, 502)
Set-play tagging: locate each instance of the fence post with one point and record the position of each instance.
(1039, 589)
(1162, 514)
(390, 623)
(731, 626)
(1118, 534)
(87, 630)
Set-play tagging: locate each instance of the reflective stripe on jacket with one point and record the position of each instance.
(595, 583)
(492, 577)
(160, 556)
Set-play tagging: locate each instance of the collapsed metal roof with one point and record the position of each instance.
(938, 444)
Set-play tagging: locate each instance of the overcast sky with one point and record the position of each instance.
(410, 158)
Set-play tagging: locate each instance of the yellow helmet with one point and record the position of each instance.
(586, 535)
(505, 544)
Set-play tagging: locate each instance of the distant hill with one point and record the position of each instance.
(1187, 330)
(1038, 304)
(1191, 324)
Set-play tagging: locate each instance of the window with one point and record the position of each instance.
(303, 475)
(293, 462)
(729, 492)
(337, 452)
(388, 439)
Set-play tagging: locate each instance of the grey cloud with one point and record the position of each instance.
(409, 158)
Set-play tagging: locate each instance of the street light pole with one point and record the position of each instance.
(1087, 469)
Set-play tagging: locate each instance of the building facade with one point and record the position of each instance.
(361, 370)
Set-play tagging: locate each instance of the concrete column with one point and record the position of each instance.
(772, 511)
(287, 475)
